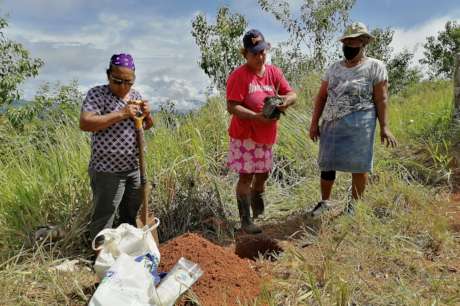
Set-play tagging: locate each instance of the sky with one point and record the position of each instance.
(76, 38)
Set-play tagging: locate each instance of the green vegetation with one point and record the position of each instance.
(396, 250)
(400, 72)
(219, 44)
(440, 51)
(16, 65)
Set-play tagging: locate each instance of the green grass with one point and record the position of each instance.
(394, 252)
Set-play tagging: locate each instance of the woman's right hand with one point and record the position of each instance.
(261, 117)
(314, 131)
(130, 111)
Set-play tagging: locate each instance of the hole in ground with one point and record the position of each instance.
(251, 246)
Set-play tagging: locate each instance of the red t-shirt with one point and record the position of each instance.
(249, 89)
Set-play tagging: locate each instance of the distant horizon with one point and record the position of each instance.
(76, 38)
(155, 108)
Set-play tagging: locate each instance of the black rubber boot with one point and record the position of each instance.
(245, 216)
(257, 204)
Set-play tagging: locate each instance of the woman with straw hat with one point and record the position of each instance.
(352, 96)
(251, 133)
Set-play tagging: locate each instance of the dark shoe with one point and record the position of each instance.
(350, 209)
(99, 241)
(251, 228)
(245, 216)
(52, 233)
(257, 204)
(350, 205)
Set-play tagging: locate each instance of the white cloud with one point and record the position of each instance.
(164, 51)
(43, 6)
(101, 34)
(414, 37)
(161, 89)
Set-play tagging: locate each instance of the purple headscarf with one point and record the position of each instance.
(123, 60)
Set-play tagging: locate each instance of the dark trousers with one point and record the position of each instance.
(112, 193)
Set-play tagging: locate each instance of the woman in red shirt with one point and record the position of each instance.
(252, 135)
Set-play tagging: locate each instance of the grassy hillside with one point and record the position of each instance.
(397, 250)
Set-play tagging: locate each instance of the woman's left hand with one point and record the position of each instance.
(145, 108)
(387, 138)
(286, 103)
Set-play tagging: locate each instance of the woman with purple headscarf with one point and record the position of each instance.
(114, 166)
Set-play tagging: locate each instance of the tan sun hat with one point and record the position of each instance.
(356, 29)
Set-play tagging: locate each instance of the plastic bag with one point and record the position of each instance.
(126, 283)
(150, 263)
(125, 239)
(182, 276)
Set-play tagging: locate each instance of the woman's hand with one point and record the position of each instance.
(145, 108)
(130, 111)
(314, 131)
(260, 117)
(288, 100)
(283, 106)
(387, 138)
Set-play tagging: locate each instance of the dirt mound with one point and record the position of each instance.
(227, 278)
(250, 246)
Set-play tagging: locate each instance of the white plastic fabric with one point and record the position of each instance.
(125, 239)
(182, 276)
(126, 283)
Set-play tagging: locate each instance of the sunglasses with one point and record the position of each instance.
(118, 81)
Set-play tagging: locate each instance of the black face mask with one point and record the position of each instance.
(350, 52)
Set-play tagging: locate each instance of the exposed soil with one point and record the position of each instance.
(253, 246)
(227, 279)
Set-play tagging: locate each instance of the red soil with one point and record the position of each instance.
(227, 278)
(253, 246)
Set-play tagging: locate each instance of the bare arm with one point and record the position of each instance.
(148, 119)
(381, 103)
(236, 109)
(92, 122)
(320, 102)
(288, 100)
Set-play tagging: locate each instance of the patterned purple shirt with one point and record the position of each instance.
(113, 149)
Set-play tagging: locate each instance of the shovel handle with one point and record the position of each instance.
(138, 122)
(145, 188)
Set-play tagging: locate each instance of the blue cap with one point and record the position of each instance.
(254, 41)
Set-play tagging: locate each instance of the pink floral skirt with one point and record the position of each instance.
(247, 156)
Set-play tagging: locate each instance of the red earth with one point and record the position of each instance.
(227, 279)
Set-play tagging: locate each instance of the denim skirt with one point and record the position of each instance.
(347, 144)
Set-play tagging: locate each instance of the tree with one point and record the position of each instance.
(440, 51)
(380, 48)
(219, 44)
(16, 65)
(313, 28)
(292, 61)
(400, 72)
(53, 106)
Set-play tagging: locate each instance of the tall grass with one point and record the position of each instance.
(42, 186)
(374, 257)
(421, 119)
